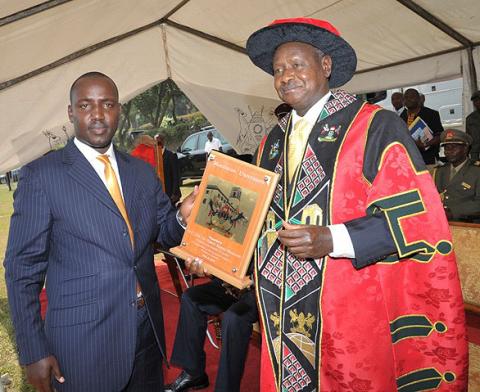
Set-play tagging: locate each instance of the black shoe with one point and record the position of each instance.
(184, 382)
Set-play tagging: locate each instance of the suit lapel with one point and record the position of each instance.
(83, 173)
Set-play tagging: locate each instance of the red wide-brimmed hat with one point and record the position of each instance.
(262, 44)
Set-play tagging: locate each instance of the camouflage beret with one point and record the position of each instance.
(451, 136)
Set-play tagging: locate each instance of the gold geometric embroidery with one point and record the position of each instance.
(301, 324)
(276, 322)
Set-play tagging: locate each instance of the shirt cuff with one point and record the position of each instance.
(181, 221)
(342, 243)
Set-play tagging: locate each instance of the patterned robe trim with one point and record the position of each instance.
(292, 373)
(424, 380)
(404, 205)
(414, 325)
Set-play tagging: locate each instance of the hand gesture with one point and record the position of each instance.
(306, 241)
(39, 374)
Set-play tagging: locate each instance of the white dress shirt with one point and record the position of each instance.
(91, 155)
(342, 243)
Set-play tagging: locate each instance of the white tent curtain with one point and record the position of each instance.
(199, 44)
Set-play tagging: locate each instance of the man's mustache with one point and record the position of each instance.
(289, 86)
(98, 125)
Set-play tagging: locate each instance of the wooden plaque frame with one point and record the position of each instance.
(227, 217)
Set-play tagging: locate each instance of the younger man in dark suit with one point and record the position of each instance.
(84, 220)
(415, 108)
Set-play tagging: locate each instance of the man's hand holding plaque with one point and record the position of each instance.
(195, 266)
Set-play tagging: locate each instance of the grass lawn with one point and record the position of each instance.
(8, 356)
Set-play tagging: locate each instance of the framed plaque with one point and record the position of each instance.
(227, 217)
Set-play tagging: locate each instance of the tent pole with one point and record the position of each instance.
(472, 70)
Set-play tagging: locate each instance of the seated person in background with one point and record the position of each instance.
(171, 171)
(165, 162)
(212, 143)
(198, 302)
(459, 180)
(144, 149)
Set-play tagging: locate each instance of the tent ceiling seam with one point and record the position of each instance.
(75, 55)
(175, 9)
(165, 46)
(433, 20)
(206, 36)
(83, 52)
(25, 13)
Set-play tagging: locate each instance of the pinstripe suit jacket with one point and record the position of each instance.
(67, 228)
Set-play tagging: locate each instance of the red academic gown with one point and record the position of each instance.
(394, 322)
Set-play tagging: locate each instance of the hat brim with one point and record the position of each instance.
(455, 142)
(262, 44)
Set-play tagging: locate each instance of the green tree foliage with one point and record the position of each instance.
(161, 109)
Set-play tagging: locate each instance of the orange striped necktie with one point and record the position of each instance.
(114, 190)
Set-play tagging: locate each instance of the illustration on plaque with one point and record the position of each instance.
(226, 208)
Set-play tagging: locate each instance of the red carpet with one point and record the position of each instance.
(250, 381)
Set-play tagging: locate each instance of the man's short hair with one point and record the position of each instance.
(92, 74)
(414, 90)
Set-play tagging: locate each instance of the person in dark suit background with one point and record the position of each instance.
(472, 126)
(84, 220)
(415, 108)
(171, 171)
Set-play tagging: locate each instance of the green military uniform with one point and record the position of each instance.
(461, 194)
(459, 186)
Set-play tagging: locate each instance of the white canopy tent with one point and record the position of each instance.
(199, 44)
